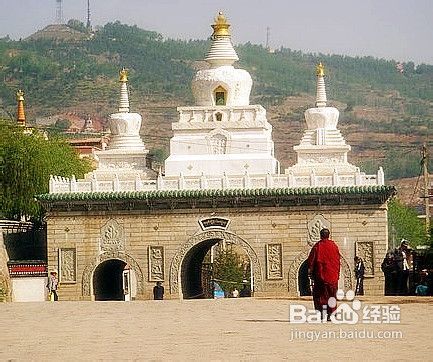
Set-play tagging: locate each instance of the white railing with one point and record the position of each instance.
(65, 185)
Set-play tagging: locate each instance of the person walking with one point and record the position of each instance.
(52, 286)
(324, 270)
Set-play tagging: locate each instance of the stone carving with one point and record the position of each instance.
(329, 158)
(219, 235)
(156, 263)
(90, 268)
(274, 261)
(112, 236)
(345, 271)
(365, 250)
(68, 265)
(314, 226)
(218, 144)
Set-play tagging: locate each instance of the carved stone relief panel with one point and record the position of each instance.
(156, 263)
(112, 237)
(274, 261)
(314, 226)
(365, 250)
(68, 265)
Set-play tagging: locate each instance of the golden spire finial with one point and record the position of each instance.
(21, 116)
(320, 70)
(221, 26)
(123, 75)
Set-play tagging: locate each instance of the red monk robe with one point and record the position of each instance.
(324, 269)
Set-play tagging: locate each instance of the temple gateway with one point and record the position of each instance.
(122, 228)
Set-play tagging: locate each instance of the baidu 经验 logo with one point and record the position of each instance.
(350, 311)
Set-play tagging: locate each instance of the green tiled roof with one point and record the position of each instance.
(386, 191)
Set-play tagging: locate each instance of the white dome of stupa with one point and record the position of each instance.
(221, 84)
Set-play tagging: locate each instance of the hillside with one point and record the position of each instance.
(385, 114)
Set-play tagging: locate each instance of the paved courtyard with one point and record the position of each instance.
(229, 329)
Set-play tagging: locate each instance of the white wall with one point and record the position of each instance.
(29, 289)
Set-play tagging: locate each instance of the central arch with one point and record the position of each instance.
(201, 242)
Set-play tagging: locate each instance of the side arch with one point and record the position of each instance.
(175, 267)
(89, 269)
(346, 272)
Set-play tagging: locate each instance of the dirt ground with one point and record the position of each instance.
(228, 329)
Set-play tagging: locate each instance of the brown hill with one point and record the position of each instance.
(59, 32)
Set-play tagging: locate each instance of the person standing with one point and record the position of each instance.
(359, 275)
(403, 269)
(324, 270)
(389, 268)
(158, 291)
(245, 291)
(52, 286)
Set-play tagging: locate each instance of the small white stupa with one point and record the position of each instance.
(222, 134)
(323, 150)
(126, 154)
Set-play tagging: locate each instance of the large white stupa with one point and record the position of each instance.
(222, 141)
(222, 133)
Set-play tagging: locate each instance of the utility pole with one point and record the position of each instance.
(59, 12)
(88, 25)
(268, 38)
(426, 196)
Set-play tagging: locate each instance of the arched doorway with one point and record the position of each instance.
(188, 269)
(303, 280)
(108, 280)
(136, 275)
(213, 269)
(196, 273)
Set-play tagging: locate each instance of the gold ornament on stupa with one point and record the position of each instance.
(123, 75)
(320, 70)
(221, 26)
(20, 95)
(21, 115)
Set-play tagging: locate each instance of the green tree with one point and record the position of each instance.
(77, 25)
(403, 223)
(228, 269)
(26, 163)
(62, 124)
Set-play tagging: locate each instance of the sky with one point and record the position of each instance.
(392, 29)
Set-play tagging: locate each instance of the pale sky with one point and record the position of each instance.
(393, 29)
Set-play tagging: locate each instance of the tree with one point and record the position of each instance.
(228, 270)
(403, 223)
(62, 124)
(26, 163)
(77, 25)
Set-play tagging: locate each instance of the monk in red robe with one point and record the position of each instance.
(324, 270)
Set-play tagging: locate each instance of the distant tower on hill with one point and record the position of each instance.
(88, 25)
(268, 40)
(21, 115)
(59, 11)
